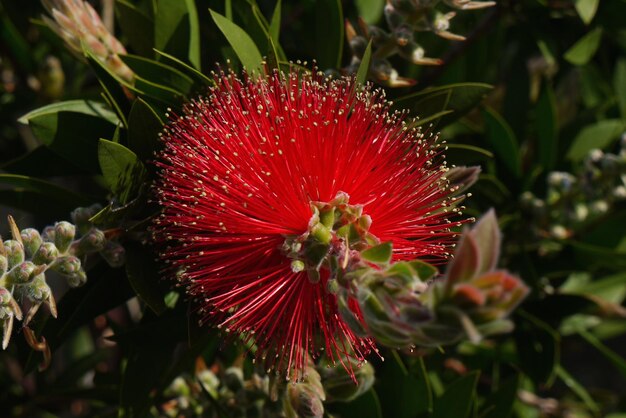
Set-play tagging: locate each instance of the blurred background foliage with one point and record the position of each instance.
(536, 95)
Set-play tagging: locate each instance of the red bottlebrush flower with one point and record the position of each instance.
(237, 177)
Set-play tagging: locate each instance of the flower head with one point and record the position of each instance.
(264, 178)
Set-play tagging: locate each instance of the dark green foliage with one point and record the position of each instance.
(536, 89)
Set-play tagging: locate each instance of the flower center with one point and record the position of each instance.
(336, 235)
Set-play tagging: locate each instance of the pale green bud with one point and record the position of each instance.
(31, 240)
(64, 235)
(21, 273)
(67, 265)
(46, 254)
(38, 290)
(339, 384)
(77, 279)
(14, 252)
(92, 242)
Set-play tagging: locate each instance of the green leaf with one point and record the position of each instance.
(144, 276)
(593, 256)
(329, 33)
(380, 254)
(137, 27)
(409, 394)
(424, 270)
(192, 72)
(364, 66)
(159, 73)
(619, 83)
(85, 107)
(610, 288)
(538, 348)
(598, 135)
(583, 50)
(274, 28)
(122, 171)
(586, 9)
(546, 122)
(177, 30)
(460, 98)
(578, 389)
(241, 42)
(500, 403)
(144, 127)
(618, 361)
(45, 188)
(145, 366)
(471, 148)
(370, 10)
(72, 131)
(112, 86)
(503, 141)
(457, 399)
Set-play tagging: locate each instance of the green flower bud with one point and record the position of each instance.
(22, 273)
(338, 383)
(77, 279)
(302, 402)
(209, 381)
(31, 240)
(4, 264)
(48, 234)
(67, 265)
(233, 378)
(5, 298)
(92, 242)
(305, 398)
(64, 235)
(46, 254)
(81, 216)
(114, 254)
(38, 290)
(14, 252)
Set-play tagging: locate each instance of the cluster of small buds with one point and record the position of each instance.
(80, 26)
(229, 391)
(402, 306)
(574, 200)
(26, 259)
(404, 18)
(337, 231)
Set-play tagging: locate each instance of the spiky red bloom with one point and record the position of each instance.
(237, 175)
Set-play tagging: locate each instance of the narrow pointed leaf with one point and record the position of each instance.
(364, 66)
(240, 41)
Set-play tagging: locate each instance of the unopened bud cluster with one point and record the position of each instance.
(237, 391)
(574, 200)
(61, 249)
(401, 304)
(230, 391)
(404, 18)
(80, 26)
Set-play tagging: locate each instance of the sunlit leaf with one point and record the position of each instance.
(585, 48)
(240, 41)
